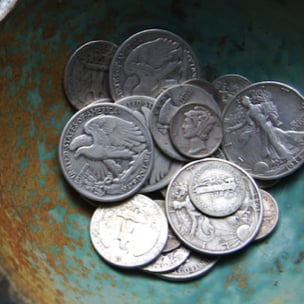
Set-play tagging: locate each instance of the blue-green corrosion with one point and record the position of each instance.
(44, 228)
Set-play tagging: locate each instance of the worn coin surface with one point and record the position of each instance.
(270, 217)
(86, 74)
(228, 86)
(166, 105)
(196, 130)
(212, 235)
(130, 234)
(193, 268)
(106, 152)
(149, 61)
(218, 188)
(168, 261)
(264, 130)
(163, 167)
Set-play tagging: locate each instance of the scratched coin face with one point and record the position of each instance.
(86, 74)
(208, 234)
(130, 234)
(218, 188)
(106, 152)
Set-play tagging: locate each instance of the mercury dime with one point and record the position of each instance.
(163, 167)
(164, 109)
(168, 261)
(206, 234)
(264, 130)
(228, 86)
(218, 188)
(149, 61)
(270, 217)
(86, 74)
(130, 234)
(194, 267)
(196, 130)
(106, 152)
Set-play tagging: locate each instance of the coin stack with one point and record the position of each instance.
(173, 163)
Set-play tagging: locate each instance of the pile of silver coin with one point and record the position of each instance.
(175, 165)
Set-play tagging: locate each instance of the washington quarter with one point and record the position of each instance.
(106, 152)
(149, 61)
(196, 130)
(86, 73)
(264, 130)
(130, 234)
(270, 217)
(212, 235)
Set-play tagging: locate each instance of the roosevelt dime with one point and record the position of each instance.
(196, 130)
(194, 267)
(228, 86)
(106, 152)
(130, 234)
(86, 74)
(163, 167)
(166, 105)
(264, 130)
(213, 235)
(270, 217)
(149, 61)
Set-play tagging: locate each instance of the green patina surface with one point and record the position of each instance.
(45, 250)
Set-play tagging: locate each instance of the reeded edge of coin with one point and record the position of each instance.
(94, 199)
(198, 266)
(216, 252)
(262, 233)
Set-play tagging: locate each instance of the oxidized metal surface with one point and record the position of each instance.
(45, 250)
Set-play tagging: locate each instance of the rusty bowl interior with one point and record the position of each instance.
(45, 251)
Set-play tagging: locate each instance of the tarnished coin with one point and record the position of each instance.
(196, 130)
(166, 105)
(163, 167)
(168, 261)
(264, 130)
(218, 188)
(149, 61)
(193, 268)
(130, 234)
(212, 235)
(270, 217)
(173, 242)
(86, 74)
(228, 86)
(106, 152)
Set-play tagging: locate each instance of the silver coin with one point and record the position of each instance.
(86, 74)
(130, 234)
(228, 86)
(106, 152)
(173, 242)
(168, 261)
(164, 109)
(217, 188)
(211, 235)
(149, 61)
(270, 217)
(264, 130)
(193, 268)
(196, 130)
(163, 167)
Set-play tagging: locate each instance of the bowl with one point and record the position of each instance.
(46, 254)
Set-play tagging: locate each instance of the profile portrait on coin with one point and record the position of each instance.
(153, 65)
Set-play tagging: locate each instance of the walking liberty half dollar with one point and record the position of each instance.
(130, 234)
(205, 233)
(106, 152)
(264, 130)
